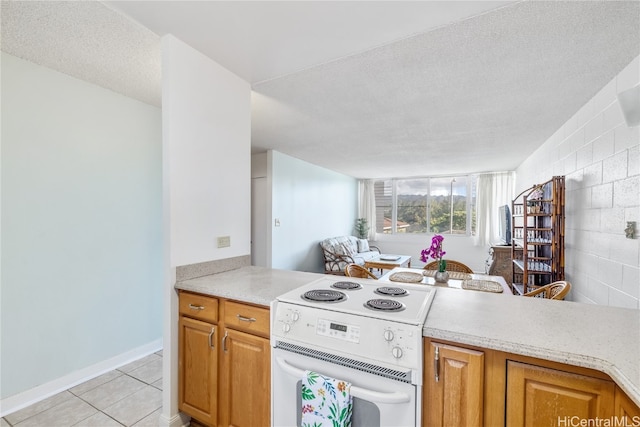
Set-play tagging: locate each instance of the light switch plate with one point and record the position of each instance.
(224, 241)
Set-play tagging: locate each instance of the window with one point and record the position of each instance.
(444, 205)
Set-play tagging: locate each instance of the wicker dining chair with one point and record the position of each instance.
(354, 270)
(451, 266)
(555, 290)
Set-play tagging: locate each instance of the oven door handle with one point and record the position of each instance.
(362, 393)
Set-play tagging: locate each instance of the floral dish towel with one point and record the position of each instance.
(326, 402)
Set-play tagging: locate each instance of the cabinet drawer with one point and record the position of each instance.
(199, 307)
(246, 318)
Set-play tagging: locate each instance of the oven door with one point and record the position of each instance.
(377, 400)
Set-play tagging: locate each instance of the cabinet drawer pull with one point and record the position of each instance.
(211, 342)
(224, 341)
(436, 364)
(245, 319)
(196, 307)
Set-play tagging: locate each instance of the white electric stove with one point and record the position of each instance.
(364, 331)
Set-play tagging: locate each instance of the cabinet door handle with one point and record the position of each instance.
(224, 341)
(436, 364)
(196, 307)
(245, 319)
(211, 344)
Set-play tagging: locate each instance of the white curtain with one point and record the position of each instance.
(494, 190)
(367, 205)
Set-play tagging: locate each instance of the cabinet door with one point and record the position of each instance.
(453, 386)
(538, 396)
(626, 409)
(197, 370)
(246, 385)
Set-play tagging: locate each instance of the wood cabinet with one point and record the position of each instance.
(245, 385)
(537, 248)
(224, 361)
(625, 409)
(473, 386)
(500, 262)
(454, 383)
(198, 370)
(538, 396)
(198, 357)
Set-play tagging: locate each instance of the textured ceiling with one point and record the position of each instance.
(369, 89)
(262, 40)
(87, 40)
(477, 95)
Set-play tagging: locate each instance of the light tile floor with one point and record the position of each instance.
(128, 396)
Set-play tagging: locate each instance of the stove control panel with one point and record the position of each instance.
(338, 330)
(379, 340)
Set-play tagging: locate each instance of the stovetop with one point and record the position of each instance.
(397, 302)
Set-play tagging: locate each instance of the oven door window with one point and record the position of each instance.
(365, 414)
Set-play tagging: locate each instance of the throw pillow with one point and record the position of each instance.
(347, 249)
(363, 245)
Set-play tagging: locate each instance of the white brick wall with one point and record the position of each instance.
(600, 157)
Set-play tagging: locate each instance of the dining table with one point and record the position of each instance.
(476, 282)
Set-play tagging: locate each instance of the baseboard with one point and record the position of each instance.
(29, 397)
(179, 420)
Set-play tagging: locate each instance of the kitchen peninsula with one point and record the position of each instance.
(598, 338)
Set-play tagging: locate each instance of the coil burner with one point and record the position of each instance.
(324, 295)
(347, 285)
(384, 305)
(391, 291)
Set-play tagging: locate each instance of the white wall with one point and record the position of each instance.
(259, 164)
(208, 133)
(206, 122)
(81, 228)
(311, 203)
(600, 157)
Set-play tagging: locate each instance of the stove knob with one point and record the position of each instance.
(388, 335)
(396, 352)
(286, 327)
(295, 316)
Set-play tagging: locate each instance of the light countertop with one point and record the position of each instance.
(256, 285)
(593, 336)
(603, 338)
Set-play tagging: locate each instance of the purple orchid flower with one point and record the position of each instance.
(435, 251)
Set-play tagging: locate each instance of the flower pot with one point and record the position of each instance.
(441, 277)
